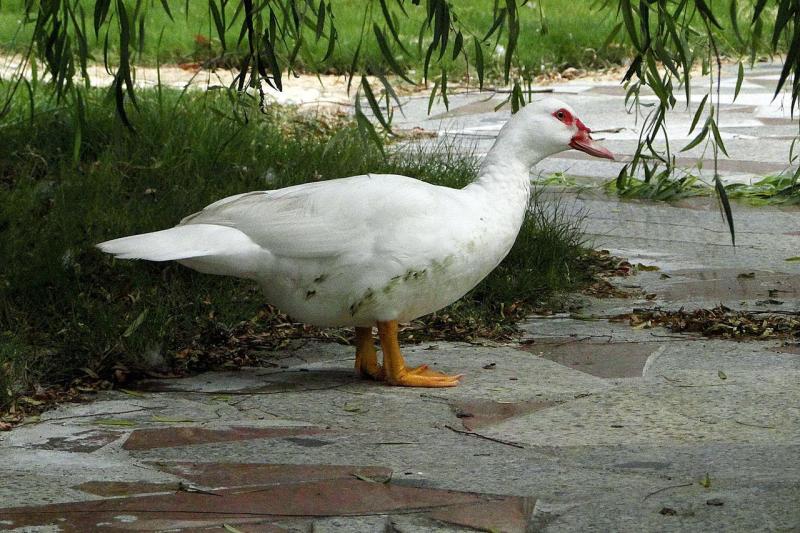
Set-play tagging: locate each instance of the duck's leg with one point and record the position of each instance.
(394, 367)
(366, 356)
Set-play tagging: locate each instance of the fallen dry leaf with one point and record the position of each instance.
(718, 322)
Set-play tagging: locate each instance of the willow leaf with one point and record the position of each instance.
(718, 137)
(390, 23)
(479, 61)
(739, 80)
(365, 126)
(218, 23)
(698, 139)
(387, 54)
(722, 194)
(698, 113)
(373, 103)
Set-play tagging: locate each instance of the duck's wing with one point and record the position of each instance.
(330, 218)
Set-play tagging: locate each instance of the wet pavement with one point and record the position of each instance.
(586, 424)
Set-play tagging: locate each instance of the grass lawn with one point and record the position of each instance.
(573, 34)
(65, 307)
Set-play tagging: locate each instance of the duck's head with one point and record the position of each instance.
(548, 126)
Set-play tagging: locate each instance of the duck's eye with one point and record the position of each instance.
(564, 116)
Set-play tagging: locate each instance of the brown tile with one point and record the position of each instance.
(509, 514)
(479, 413)
(242, 474)
(601, 359)
(341, 497)
(83, 442)
(169, 437)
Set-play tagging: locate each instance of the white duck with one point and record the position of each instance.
(376, 249)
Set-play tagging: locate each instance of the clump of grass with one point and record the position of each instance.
(549, 246)
(67, 309)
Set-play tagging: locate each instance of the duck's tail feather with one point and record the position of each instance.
(181, 242)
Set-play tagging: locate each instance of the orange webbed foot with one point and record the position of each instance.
(430, 378)
(395, 369)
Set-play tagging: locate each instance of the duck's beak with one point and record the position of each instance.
(583, 141)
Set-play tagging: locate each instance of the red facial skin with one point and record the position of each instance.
(582, 140)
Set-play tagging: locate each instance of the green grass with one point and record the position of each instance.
(573, 33)
(65, 306)
(565, 42)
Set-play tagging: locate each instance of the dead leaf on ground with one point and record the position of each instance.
(719, 322)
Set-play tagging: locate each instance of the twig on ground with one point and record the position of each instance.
(702, 385)
(753, 425)
(472, 433)
(105, 414)
(608, 338)
(667, 488)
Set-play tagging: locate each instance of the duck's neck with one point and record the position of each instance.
(504, 175)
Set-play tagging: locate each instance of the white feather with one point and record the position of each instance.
(180, 242)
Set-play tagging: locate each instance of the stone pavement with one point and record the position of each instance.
(586, 424)
(757, 130)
